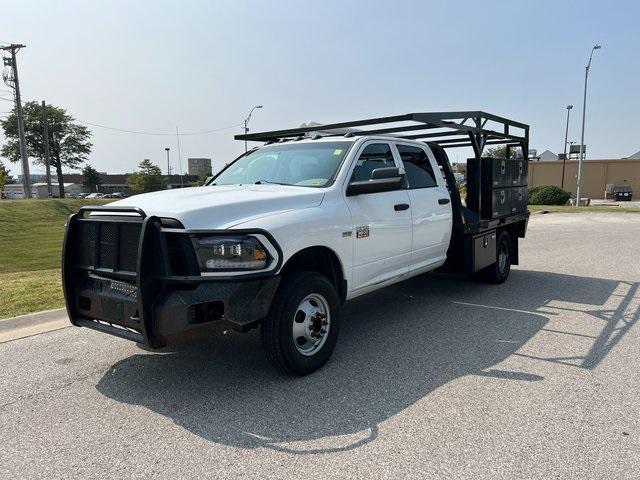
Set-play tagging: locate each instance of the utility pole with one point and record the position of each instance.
(47, 157)
(566, 137)
(180, 159)
(584, 111)
(11, 62)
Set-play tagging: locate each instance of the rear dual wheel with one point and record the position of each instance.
(499, 271)
(301, 330)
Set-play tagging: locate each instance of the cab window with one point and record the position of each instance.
(375, 155)
(417, 167)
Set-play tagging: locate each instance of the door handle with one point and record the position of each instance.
(401, 206)
(443, 201)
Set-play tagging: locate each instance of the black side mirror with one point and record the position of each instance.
(382, 180)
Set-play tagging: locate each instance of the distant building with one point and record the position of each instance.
(35, 177)
(117, 182)
(596, 175)
(39, 190)
(635, 155)
(200, 167)
(548, 156)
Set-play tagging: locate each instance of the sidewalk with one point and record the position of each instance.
(33, 324)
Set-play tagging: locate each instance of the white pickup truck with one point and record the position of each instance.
(291, 230)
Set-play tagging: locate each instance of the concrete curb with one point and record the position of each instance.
(33, 324)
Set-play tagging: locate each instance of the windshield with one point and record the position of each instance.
(302, 164)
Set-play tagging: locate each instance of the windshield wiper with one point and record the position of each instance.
(261, 182)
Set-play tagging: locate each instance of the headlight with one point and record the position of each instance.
(223, 253)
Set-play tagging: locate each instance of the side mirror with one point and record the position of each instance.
(382, 180)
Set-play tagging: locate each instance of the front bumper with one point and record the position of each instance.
(138, 292)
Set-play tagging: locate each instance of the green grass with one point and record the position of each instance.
(27, 292)
(570, 209)
(31, 233)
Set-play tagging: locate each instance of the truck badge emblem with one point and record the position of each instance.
(362, 232)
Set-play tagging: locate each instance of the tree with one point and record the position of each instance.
(69, 143)
(148, 178)
(500, 152)
(5, 176)
(91, 178)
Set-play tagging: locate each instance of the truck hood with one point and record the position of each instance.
(222, 206)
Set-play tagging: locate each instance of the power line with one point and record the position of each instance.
(162, 134)
(141, 132)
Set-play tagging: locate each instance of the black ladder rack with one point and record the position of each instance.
(475, 129)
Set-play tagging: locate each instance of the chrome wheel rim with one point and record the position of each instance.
(311, 324)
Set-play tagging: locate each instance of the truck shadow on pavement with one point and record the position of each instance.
(396, 346)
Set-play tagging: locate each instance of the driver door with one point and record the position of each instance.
(381, 223)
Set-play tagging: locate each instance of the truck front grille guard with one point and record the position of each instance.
(103, 248)
(107, 248)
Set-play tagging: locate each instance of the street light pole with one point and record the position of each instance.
(246, 125)
(168, 166)
(584, 111)
(566, 137)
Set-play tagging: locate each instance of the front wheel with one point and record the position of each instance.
(301, 330)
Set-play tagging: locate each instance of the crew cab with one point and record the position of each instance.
(292, 229)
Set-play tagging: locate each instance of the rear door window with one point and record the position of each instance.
(417, 166)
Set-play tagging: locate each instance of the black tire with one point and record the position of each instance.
(277, 328)
(499, 271)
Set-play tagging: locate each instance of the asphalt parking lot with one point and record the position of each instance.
(434, 377)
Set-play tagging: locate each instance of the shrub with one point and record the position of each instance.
(548, 195)
(463, 192)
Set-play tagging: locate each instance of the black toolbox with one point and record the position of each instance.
(519, 172)
(502, 184)
(496, 172)
(519, 199)
(483, 251)
(497, 203)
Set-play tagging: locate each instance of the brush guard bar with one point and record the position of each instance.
(126, 274)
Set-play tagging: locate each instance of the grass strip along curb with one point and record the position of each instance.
(31, 235)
